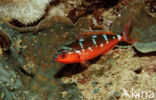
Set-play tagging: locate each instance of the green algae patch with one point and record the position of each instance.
(143, 26)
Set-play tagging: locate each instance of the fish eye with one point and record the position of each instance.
(63, 55)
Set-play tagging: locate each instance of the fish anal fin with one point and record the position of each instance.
(85, 64)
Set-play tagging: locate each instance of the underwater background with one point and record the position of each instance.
(33, 31)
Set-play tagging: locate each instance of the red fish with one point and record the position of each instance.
(97, 43)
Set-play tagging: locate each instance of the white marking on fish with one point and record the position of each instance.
(94, 36)
(81, 45)
(101, 44)
(81, 39)
(113, 37)
(90, 48)
(83, 50)
(94, 41)
(105, 37)
(69, 52)
(78, 51)
(119, 37)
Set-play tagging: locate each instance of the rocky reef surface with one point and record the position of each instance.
(28, 72)
(143, 26)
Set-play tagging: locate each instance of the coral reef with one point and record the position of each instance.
(25, 11)
(28, 72)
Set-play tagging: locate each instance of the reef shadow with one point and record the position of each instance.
(73, 69)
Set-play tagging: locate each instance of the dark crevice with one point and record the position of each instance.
(76, 13)
(5, 42)
(101, 4)
(26, 73)
(55, 3)
(16, 23)
(140, 54)
(138, 71)
(69, 69)
(137, 53)
(153, 6)
(7, 52)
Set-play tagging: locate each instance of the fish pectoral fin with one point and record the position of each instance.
(85, 64)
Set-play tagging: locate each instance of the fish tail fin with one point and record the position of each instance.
(126, 33)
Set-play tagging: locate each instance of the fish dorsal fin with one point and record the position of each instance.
(94, 32)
